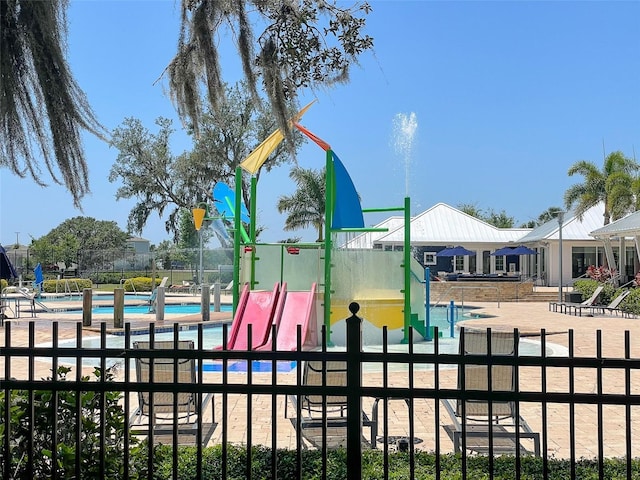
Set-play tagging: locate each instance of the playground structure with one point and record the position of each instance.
(386, 284)
(287, 311)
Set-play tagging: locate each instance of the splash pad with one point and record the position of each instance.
(387, 285)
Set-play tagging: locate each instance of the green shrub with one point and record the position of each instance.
(587, 287)
(504, 467)
(138, 284)
(63, 285)
(631, 304)
(42, 422)
(3, 284)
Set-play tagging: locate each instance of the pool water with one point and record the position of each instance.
(75, 296)
(186, 309)
(212, 338)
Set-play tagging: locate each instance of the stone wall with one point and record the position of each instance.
(443, 292)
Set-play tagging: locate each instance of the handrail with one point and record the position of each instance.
(463, 288)
(124, 280)
(416, 277)
(67, 286)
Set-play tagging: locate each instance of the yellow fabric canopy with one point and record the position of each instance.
(256, 158)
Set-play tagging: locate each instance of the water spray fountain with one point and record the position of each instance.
(404, 131)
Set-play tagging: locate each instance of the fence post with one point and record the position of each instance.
(205, 302)
(160, 304)
(452, 318)
(216, 297)
(118, 307)
(354, 390)
(87, 297)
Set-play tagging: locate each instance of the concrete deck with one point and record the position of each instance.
(529, 317)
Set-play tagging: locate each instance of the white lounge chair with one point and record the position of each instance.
(613, 307)
(484, 426)
(157, 412)
(324, 415)
(567, 307)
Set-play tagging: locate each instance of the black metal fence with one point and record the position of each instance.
(61, 418)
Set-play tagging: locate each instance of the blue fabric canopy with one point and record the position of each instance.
(455, 252)
(503, 251)
(520, 250)
(38, 283)
(347, 212)
(225, 200)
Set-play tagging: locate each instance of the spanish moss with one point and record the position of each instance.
(42, 108)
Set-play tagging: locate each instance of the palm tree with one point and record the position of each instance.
(306, 206)
(624, 195)
(549, 214)
(602, 186)
(42, 109)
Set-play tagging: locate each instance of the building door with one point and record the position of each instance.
(486, 262)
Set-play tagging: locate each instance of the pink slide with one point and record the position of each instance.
(293, 309)
(255, 308)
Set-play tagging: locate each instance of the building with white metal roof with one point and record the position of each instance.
(622, 230)
(444, 226)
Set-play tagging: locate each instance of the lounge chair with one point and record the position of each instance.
(156, 413)
(324, 412)
(613, 307)
(566, 307)
(30, 296)
(185, 286)
(482, 426)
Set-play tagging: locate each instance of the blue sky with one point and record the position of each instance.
(505, 96)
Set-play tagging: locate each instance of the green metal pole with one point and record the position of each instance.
(236, 241)
(252, 229)
(282, 263)
(328, 217)
(407, 269)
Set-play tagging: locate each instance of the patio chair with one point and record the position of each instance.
(566, 307)
(326, 412)
(185, 286)
(30, 296)
(482, 425)
(157, 412)
(613, 307)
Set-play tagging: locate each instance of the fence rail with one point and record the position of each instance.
(575, 407)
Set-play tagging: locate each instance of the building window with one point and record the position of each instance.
(430, 258)
(459, 263)
(581, 259)
(500, 263)
(631, 259)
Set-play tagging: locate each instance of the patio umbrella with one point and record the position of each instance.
(522, 250)
(504, 251)
(454, 252)
(6, 268)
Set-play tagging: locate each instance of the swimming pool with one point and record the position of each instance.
(75, 296)
(185, 308)
(212, 337)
